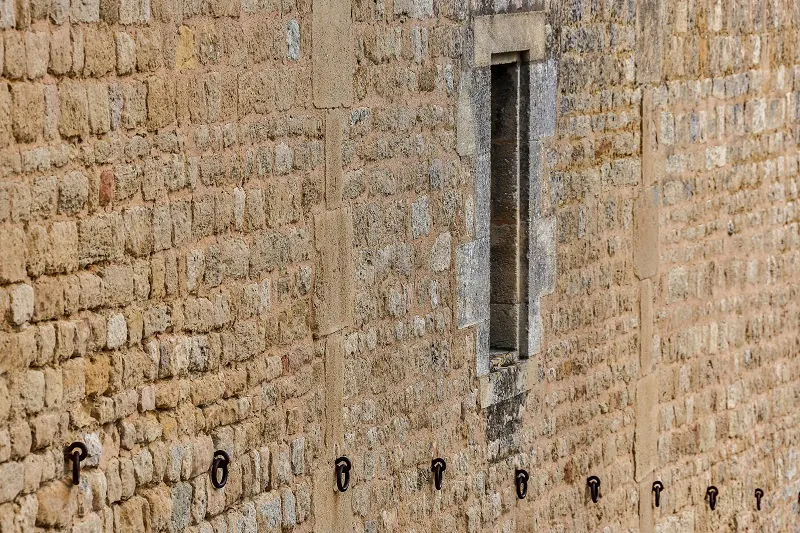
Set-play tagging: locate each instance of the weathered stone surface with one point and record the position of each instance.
(472, 278)
(646, 233)
(333, 288)
(649, 40)
(518, 32)
(332, 54)
(57, 504)
(543, 99)
(334, 175)
(646, 436)
(13, 474)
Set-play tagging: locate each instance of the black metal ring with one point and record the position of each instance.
(712, 492)
(343, 466)
(438, 466)
(521, 481)
(759, 495)
(77, 452)
(657, 488)
(220, 462)
(594, 487)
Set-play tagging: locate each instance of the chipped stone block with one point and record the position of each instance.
(28, 114)
(74, 121)
(100, 238)
(21, 303)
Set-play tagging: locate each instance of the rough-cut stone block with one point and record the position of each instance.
(74, 120)
(332, 54)
(649, 40)
(333, 289)
(472, 279)
(134, 12)
(126, 53)
(517, 32)
(99, 112)
(13, 478)
(6, 113)
(101, 238)
(58, 503)
(13, 258)
(100, 52)
(85, 11)
(21, 303)
(160, 102)
(28, 115)
(645, 233)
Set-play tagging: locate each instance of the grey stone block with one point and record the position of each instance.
(472, 278)
(535, 176)
(534, 327)
(482, 357)
(542, 257)
(543, 99)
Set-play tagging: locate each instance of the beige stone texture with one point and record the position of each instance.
(333, 54)
(333, 286)
(517, 32)
(260, 226)
(646, 233)
(334, 174)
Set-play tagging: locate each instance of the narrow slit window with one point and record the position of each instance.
(508, 323)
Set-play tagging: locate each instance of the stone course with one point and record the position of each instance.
(262, 226)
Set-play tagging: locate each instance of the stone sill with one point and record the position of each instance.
(507, 382)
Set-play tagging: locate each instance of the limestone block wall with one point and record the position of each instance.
(261, 226)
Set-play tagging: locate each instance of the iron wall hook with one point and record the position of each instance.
(658, 486)
(712, 492)
(521, 481)
(77, 452)
(342, 469)
(594, 487)
(220, 462)
(759, 495)
(438, 466)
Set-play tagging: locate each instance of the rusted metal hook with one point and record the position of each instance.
(220, 462)
(594, 487)
(759, 495)
(521, 481)
(658, 486)
(77, 452)
(342, 469)
(712, 492)
(438, 466)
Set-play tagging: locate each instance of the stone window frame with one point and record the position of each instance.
(492, 36)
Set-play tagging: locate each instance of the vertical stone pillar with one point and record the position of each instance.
(645, 266)
(333, 64)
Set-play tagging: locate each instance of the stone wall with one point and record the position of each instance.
(261, 226)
